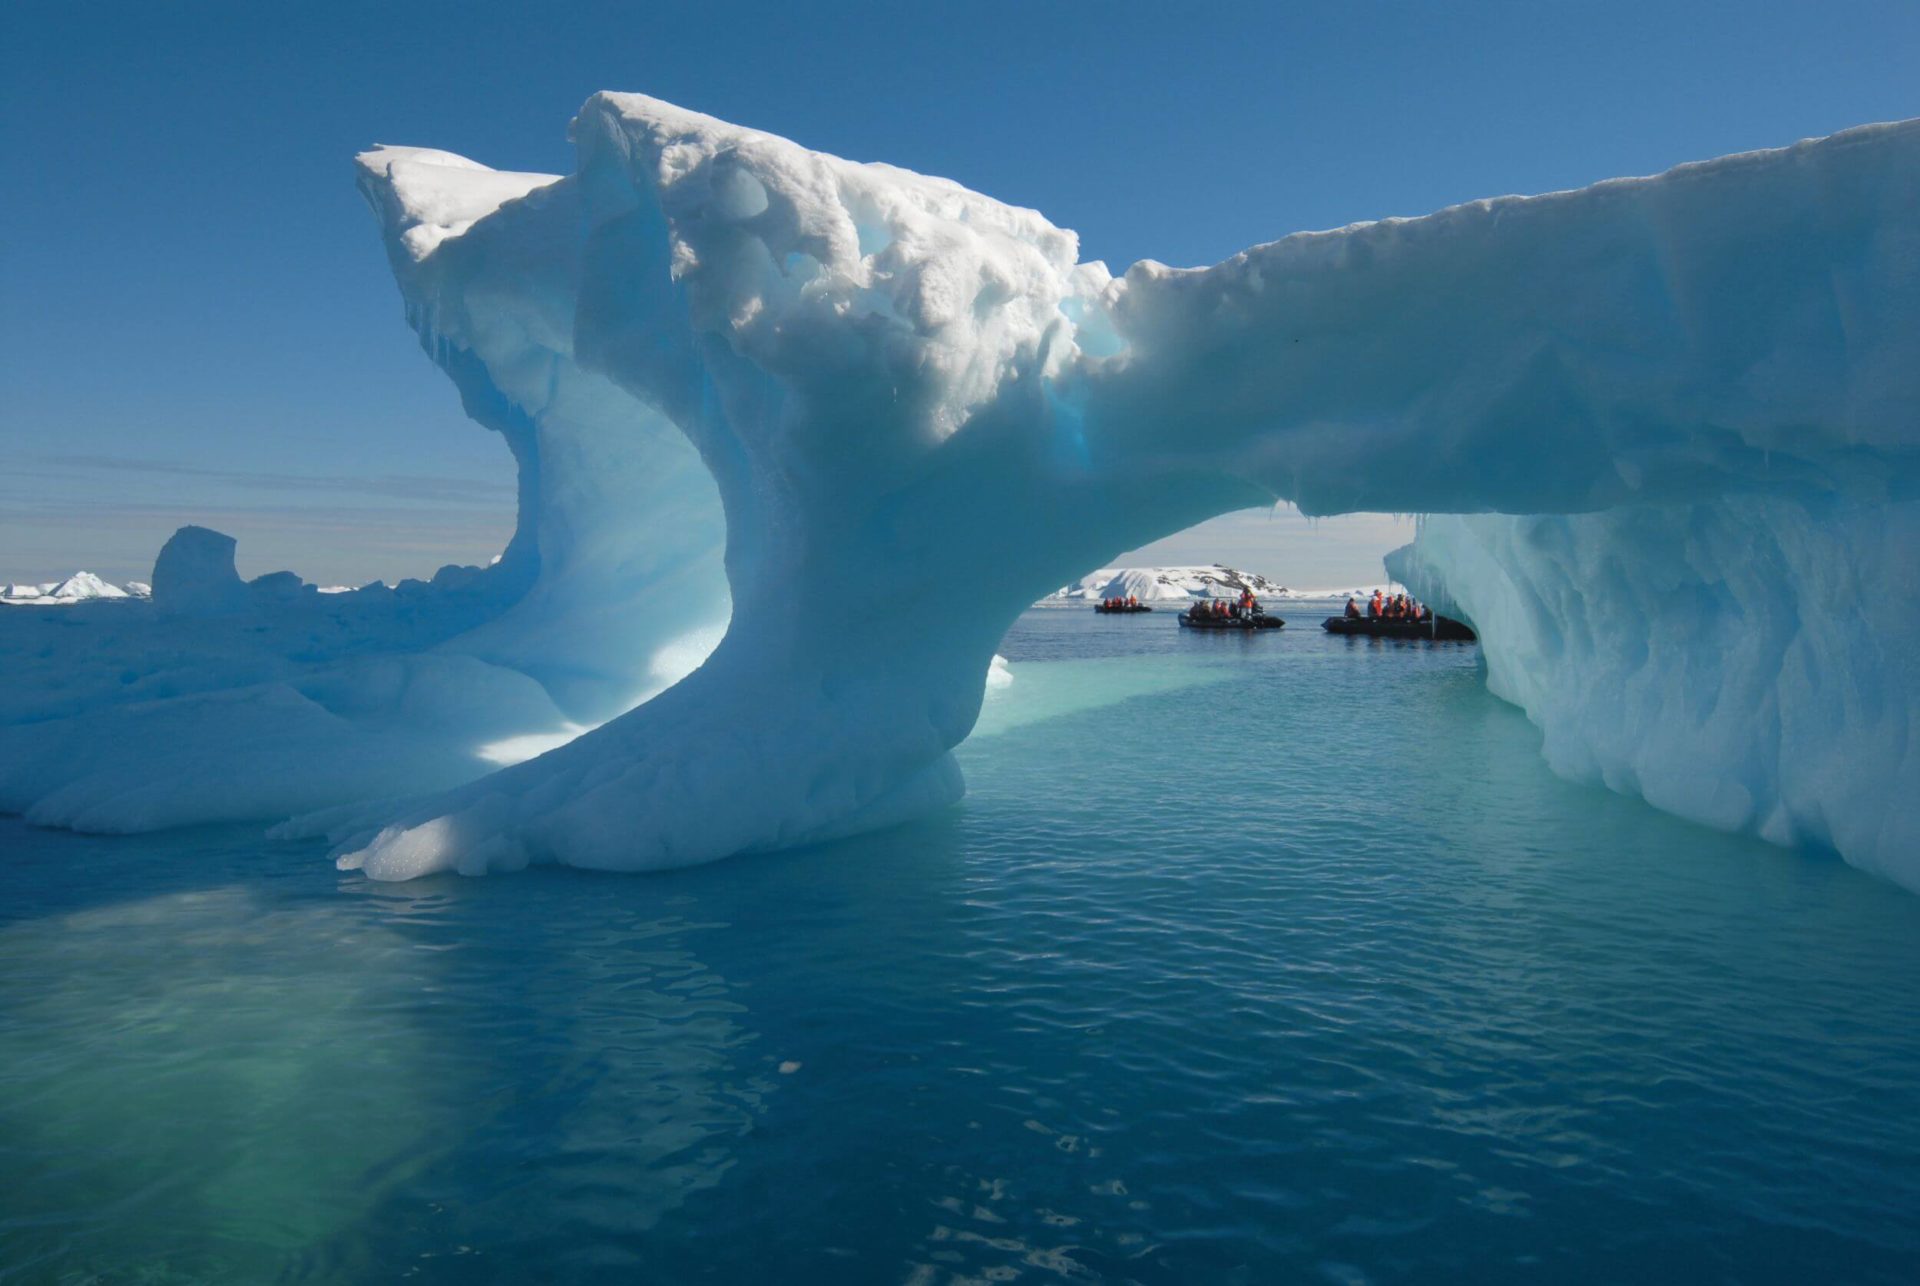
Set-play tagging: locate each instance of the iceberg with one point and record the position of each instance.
(1184, 584)
(734, 372)
(80, 587)
(1167, 584)
(84, 585)
(211, 698)
(1745, 663)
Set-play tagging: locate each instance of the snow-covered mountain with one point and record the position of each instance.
(1179, 584)
(78, 588)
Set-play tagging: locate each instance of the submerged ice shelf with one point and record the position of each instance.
(734, 372)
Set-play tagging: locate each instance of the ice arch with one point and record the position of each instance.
(891, 379)
(1744, 662)
(223, 700)
(620, 531)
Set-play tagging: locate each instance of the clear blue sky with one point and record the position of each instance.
(197, 319)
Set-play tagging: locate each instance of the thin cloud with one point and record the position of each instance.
(413, 487)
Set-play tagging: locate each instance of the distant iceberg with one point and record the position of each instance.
(1166, 584)
(1180, 584)
(739, 376)
(78, 588)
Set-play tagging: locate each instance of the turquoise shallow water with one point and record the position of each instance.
(1246, 960)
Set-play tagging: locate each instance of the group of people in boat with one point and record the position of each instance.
(1232, 609)
(1115, 604)
(1396, 607)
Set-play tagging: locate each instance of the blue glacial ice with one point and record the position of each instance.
(740, 377)
(1745, 662)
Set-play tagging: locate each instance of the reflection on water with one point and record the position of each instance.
(1057, 689)
(1245, 960)
(176, 1066)
(235, 1084)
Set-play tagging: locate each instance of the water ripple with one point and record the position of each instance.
(1280, 962)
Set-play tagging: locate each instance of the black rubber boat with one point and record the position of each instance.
(1120, 609)
(1443, 628)
(1257, 621)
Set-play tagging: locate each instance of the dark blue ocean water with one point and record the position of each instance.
(1246, 960)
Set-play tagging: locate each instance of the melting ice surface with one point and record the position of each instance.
(738, 376)
(1196, 986)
